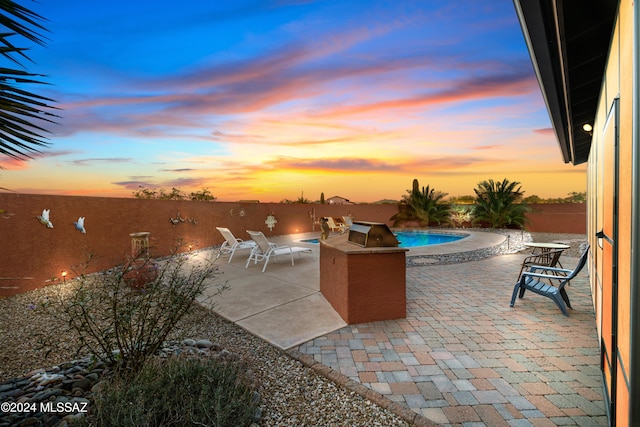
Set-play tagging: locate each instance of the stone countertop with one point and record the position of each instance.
(342, 244)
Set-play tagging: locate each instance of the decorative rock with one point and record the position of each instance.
(189, 342)
(203, 343)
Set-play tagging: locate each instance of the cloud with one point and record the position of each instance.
(344, 164)
(178, 170)
(11, 163)
(90, 161)
(180, 183)
(545, 131)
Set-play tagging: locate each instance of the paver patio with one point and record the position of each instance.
(461, 357)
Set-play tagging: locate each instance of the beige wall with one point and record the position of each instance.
(618, 81)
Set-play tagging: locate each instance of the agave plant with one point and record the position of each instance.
(22, 112)
(500, 204)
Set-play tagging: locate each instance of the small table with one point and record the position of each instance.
(543, 248)
(546, 247)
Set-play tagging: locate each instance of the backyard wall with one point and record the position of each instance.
(32, 254)
(558, 218)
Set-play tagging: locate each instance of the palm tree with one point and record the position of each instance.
(22, 113)
(500, 204)
(426, 206)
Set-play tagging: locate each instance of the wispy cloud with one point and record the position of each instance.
(92, 161)
(10, 163)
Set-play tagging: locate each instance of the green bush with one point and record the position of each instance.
(124, 318)
(500, 204)
(425, 206)
(179, 392)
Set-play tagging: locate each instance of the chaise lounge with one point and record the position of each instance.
(264, 250)
(231, 243)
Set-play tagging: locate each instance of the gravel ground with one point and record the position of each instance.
(291, 393)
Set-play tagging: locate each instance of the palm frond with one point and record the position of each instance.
(23, 113)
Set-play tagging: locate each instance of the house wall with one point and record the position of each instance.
(33, 254)
(610, 264)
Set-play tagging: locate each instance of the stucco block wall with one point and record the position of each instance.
(558, 218)
(31, 254)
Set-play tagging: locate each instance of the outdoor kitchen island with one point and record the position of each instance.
(363, 274)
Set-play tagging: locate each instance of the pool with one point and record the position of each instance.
(412, 239)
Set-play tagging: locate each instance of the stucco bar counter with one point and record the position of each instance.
(363, 284)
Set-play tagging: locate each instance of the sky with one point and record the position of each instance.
(280, 99)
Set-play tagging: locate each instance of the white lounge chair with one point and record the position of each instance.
(264, 249)
(231, 243)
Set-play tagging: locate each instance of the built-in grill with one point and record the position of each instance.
(371, 235)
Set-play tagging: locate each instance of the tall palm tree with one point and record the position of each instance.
(500, 204)
(22, 113)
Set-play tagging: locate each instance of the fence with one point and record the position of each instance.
(31, 254)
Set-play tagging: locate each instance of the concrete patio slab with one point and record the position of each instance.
(292, 323)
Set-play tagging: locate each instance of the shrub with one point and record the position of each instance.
(124, 325)
(460, 215)
(179, 392)
(426, 206)
(500, 204)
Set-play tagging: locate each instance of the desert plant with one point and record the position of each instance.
(203, 195)
(124, 325)
(460, 215)
(179, 392)
(500, 204)
(426, 206)
(21, 112)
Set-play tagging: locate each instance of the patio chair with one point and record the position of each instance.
(264, 250)
(336, 224)
(545, 259)
(532, 280)
(231, 243)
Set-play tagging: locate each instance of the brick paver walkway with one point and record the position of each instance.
(463, 357)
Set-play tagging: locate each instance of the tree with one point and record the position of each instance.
(500, 204)
(175, 194)
(300, 199)
(575, 197)
(426, 206)
(203, 195)
(22, 112)
(322, 198)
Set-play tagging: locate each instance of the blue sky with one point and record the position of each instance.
(268, 99)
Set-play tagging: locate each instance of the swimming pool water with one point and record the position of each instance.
(412, 239)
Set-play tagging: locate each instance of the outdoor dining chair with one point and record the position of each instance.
(535, 280)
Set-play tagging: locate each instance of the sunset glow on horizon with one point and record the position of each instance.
(272, 99)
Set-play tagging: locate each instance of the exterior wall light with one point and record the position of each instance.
(587, 127)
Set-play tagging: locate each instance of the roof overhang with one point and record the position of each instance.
(569, 41)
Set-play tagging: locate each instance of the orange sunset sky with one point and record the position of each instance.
(274, 99)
